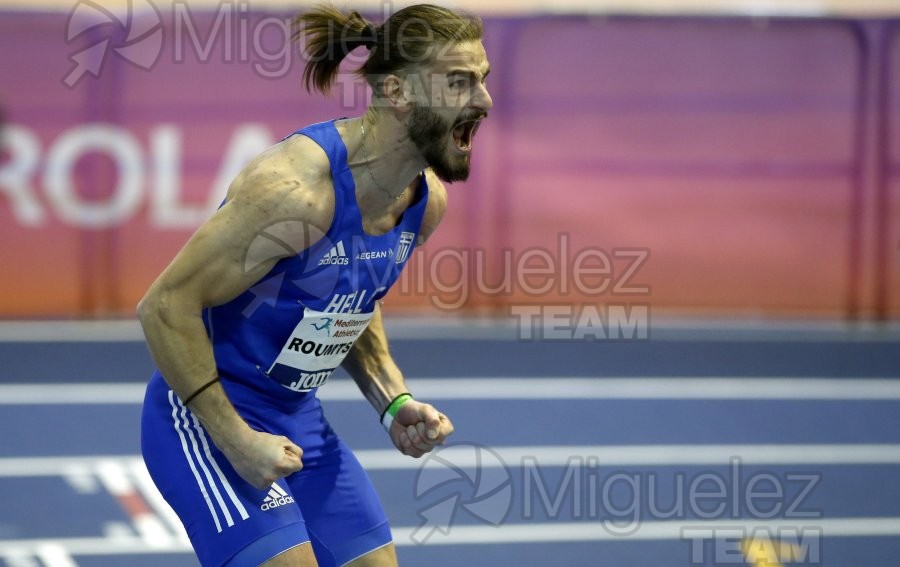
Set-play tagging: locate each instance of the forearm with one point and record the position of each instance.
(372, 367)
(179, 344)
(414, 427)
(182, 351)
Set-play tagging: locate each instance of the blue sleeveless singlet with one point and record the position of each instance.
(285, 335)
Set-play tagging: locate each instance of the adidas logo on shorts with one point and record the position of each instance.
(277, 497)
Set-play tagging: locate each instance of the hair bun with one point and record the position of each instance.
(369, 35)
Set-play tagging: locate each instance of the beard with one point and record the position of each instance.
(430, 131)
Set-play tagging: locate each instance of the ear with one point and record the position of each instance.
(395, 92)
(410, 89)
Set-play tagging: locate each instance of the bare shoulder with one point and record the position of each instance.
(437, 204)
(280, 204)
(295, 173)
(292, 179)
(286, 193)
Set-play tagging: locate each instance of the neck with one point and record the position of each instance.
(383, 159)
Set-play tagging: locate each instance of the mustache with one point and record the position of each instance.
(470, 116)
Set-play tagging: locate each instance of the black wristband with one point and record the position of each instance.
(200, 390)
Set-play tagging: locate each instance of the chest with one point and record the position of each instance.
(379, 217)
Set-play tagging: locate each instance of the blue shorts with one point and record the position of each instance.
(330, 502)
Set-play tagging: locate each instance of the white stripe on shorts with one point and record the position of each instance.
(187, 455)
(190, 426)
(215, 465)
(186, 424)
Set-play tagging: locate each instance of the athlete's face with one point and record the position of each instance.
(443, 126)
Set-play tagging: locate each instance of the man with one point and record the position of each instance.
(283, 284)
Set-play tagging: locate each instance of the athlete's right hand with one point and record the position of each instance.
(262, 458)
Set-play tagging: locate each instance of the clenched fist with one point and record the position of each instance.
(262, 458)
(418, 428)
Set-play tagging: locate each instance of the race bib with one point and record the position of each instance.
(318, 344)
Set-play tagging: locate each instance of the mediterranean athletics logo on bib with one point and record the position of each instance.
(318, 344)
(404, 246)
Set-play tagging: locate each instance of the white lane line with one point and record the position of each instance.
(146, 487)
(19, 557)
(499, 328)
(128, 330)
(645, 455)
(644, 388)
(81, 478)
(58, 466)
(657, 530)
(119, 545)
(551, 456)
(114, 477)
(545, 532)
(542, 388)
(55, 555)
(71, 394)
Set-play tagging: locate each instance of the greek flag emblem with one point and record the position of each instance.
(404, 246)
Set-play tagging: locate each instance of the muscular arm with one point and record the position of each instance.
(218, 263)
(379, 378)
(371, 366)
(370, 362)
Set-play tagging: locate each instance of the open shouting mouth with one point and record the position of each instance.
(464, 133)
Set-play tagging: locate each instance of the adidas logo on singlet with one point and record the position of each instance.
(277, 497)
(336, 256)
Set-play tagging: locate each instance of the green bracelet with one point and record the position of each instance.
(387, 418)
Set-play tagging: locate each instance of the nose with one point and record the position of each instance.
(482, 99)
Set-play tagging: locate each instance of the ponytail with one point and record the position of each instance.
(330, 36)
(409, 37)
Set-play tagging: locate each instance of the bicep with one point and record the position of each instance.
(233, 250)
(209, 269)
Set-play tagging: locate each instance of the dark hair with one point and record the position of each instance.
(410, 36)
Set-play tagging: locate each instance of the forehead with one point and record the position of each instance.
(467, 55)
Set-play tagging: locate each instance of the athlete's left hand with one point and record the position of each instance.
(418, 428)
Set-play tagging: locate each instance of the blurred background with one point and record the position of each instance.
(681, 231)
(746, 147)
